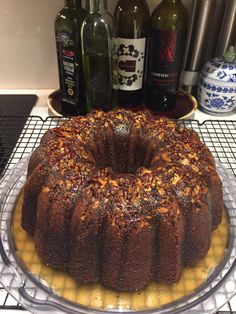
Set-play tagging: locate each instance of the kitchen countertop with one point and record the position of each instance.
(41, 109)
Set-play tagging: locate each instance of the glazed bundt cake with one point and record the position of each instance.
(122, 198)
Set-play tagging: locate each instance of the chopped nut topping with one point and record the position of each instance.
(113, 182)
(83, 218)
(187, 146)
(102, 182)
(191, 156)
(185, 162)
(162, 210)
(68, 184)
(78, 137)
(70, 162)
(176, 179)
(148, 189)
(187, 191)
(76, 168)
(139, 183)
(161, 191)
(144, 224)
(46, 189)
(166, 157)
(66, 134)
(195, 168)
(96, 205)
(145, 170)
(197, 189)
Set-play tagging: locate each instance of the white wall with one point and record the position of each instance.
(27, 45)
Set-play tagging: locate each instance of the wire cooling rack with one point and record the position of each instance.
(219, 136)
(10, 130)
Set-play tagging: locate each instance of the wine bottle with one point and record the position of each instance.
(87, 6)
(132, 22)
(90, 6)
(67, 30)
(97, 37)
(169, 23)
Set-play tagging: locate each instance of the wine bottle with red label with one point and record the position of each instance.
(132, 22)
(67, 31)
(169, 24)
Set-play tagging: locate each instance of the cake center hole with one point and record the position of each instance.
(125, 157)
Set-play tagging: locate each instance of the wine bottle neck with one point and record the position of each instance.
(101, 5)
(87, 5)
(171, 1)
(90, 6)
(73, 4)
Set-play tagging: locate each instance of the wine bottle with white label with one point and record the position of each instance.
(169, 24)
(67, 31)
(132, 22)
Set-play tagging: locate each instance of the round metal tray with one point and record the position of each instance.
(185, 108)
(38, 297)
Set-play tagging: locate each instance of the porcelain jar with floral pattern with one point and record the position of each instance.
(217, 87)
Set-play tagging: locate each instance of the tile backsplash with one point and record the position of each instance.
(27, 45)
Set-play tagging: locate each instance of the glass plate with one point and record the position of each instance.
(37, 296)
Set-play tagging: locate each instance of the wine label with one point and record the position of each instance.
(130, 57)
(67, 67)
(166, 54)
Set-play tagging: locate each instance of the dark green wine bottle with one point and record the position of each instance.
(132, 22)
(68, 39)
(169, 24)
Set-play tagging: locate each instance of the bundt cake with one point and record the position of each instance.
(122, 198)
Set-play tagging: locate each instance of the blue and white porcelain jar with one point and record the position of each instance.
(217, 87)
